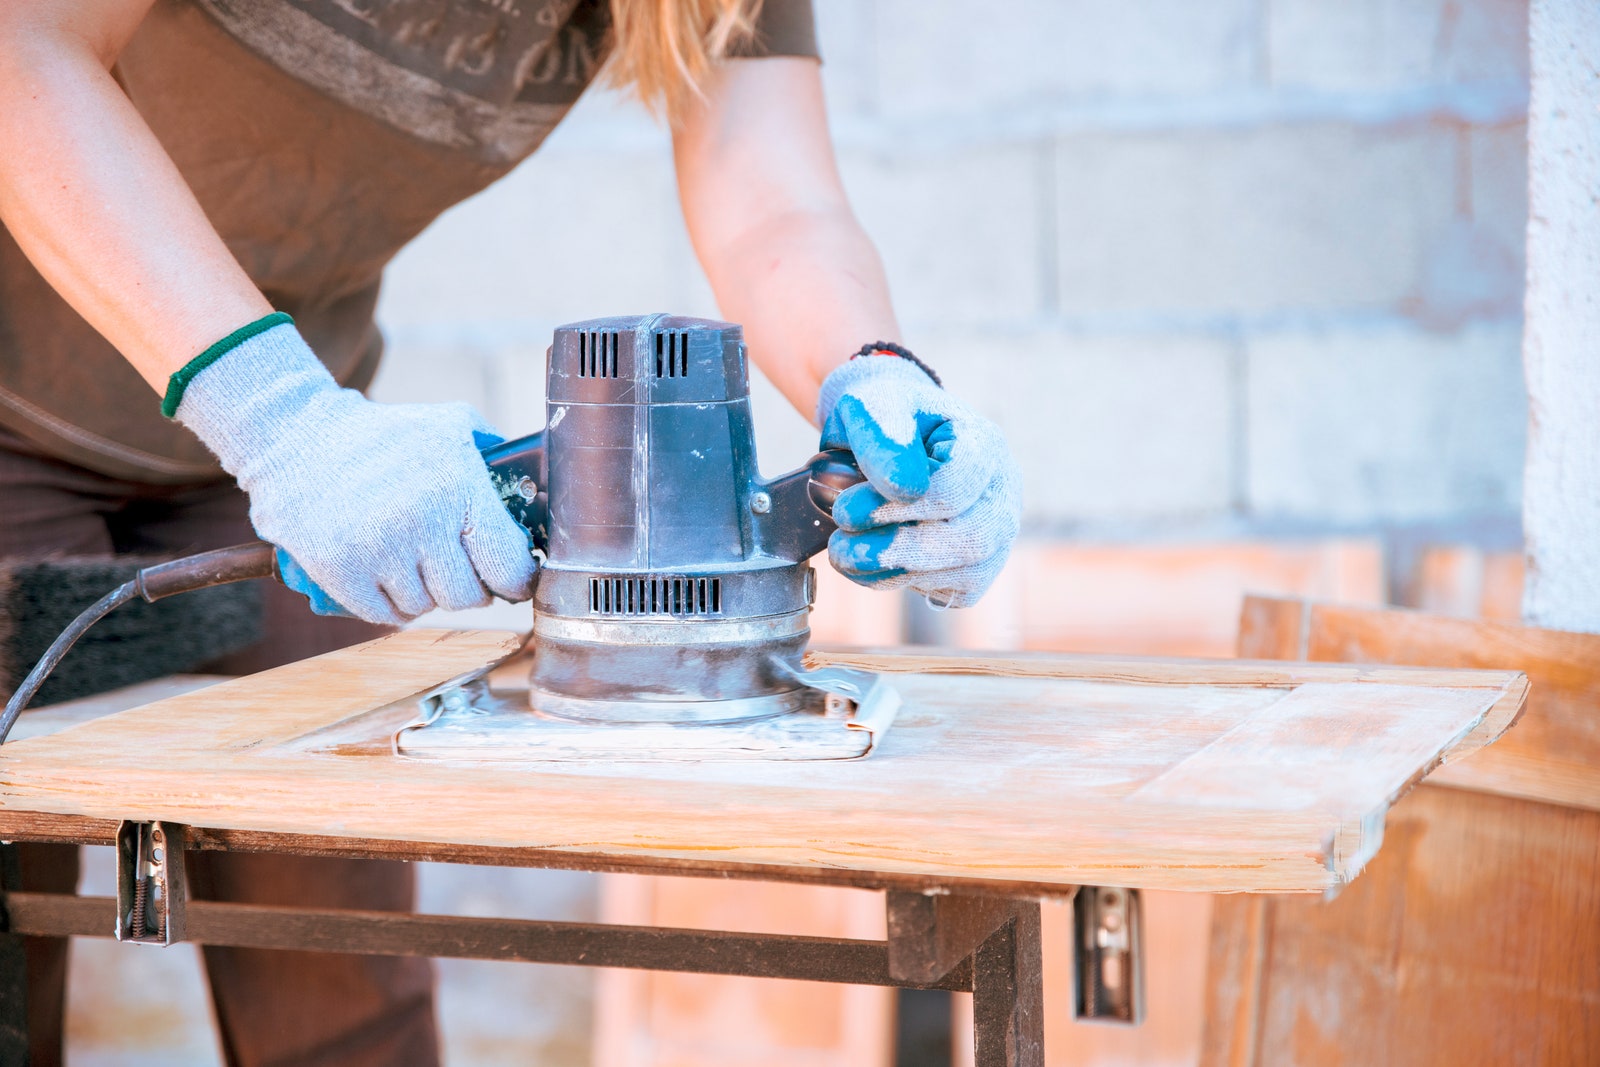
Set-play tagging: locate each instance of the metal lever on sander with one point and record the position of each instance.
(831, 473)
(794, 513)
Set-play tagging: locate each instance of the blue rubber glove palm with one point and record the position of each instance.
(942, 502)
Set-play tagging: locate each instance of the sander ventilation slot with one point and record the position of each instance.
(672, 354)
(655, 595)
(597, 355)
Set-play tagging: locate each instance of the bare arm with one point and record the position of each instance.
(772, 227)
(93, 199)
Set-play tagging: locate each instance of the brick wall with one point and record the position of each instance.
(1235, 267)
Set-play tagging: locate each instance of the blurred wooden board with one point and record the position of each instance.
(1036, 772)
(1156, 599)
(1459, 580)
(1552, 754)
(1472, 936)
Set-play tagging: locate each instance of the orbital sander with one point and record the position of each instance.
(675, 586)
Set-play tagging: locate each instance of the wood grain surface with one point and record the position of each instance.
(1038, 771)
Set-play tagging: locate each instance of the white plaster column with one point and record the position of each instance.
(1561, 339)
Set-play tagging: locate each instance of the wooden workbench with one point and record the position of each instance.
(1002, 781)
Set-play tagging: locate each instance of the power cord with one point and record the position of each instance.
(239, 563)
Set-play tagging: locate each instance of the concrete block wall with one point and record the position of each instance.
(1234, 267)
(1219, 267)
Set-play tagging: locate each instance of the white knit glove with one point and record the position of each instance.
(388, 508)
(943, 498)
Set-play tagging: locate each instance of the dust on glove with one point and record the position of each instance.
(387, 509)
(943, 498)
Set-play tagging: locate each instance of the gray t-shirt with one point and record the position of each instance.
(319, 136)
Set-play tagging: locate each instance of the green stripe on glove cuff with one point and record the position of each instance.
(185, 374)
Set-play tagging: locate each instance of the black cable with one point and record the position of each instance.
(60, 647)
(239, 563)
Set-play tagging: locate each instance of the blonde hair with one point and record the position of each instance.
(663, 49)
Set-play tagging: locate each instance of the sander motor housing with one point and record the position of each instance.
(675, 584)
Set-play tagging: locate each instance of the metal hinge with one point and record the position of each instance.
(1108, 955)
(150, 883)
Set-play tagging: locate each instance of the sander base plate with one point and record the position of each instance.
(471, 723)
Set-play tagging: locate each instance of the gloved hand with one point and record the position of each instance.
(943, 497)
(388, 508)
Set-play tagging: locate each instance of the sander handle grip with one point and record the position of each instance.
(831, 473)
(795, 518)
(239, 563)
(517, 469)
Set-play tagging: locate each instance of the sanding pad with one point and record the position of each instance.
(472, 723)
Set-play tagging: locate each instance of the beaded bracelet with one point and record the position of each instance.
(889, 348)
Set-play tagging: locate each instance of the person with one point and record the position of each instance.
(199, 197)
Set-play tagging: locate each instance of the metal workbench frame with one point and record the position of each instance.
(971, 939)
